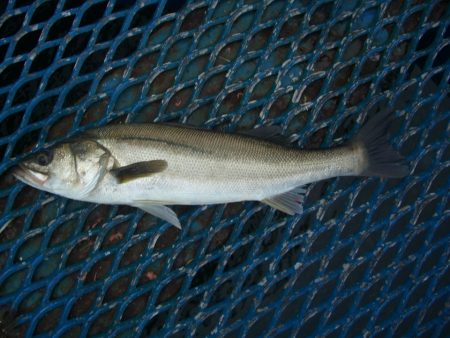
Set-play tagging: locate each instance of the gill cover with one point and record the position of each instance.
(91, 161)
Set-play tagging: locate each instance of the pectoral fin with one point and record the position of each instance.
(160, 211)
(290, 202)
(138, 170)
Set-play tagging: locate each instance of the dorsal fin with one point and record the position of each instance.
(268, 133)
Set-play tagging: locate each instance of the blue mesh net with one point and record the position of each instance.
(367, 256)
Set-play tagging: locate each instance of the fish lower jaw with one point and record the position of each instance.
(35, 179)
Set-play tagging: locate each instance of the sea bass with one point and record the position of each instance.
(152, 166)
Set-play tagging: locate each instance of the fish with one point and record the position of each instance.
(153, 166)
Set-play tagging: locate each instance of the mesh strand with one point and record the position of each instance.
(367, 256)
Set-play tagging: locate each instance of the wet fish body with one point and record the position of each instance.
(206, 167)
(151, 166)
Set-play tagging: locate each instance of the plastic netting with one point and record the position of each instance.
(367, 257)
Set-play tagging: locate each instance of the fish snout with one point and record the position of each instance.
(29, 176)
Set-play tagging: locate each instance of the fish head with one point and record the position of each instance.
(69, 169)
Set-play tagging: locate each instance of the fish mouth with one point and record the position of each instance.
(31, 177)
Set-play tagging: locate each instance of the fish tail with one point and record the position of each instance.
(380, 158)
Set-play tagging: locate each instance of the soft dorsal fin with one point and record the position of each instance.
(268, 133)
(290, 202)
(265, 132)
(138, 170)
(160, 211)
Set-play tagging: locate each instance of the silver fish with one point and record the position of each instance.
(151, 166)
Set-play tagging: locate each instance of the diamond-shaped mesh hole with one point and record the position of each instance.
(143, 16)
(310, 324)
(48, 322)
(102, 322)
(136, 307)
(170, 290)
(367, 255)
(11, 25)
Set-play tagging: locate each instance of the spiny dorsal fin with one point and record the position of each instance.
(138, 170)
(290, 202)
(265, 132)
(160, 211)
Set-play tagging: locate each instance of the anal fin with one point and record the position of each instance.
(290, 202)
(160, 211)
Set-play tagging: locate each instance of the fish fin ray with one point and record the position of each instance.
(265, 132)
(182, 125)
(268, 133)
(290, 202)
(160, 211)
(138, 170)
(382, 159)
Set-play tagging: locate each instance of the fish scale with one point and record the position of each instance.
(234, 167)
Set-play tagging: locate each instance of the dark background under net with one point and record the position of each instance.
(368, 256)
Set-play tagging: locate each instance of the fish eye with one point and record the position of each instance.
(44, 158)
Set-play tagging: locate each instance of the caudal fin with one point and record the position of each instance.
(381, 159)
